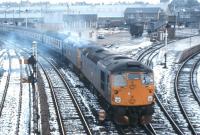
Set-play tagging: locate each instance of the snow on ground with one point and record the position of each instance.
(109, 31)
(179, 46)
(10, 114)
(182, 32)
(54, 128)
(132, 46)
(164, 76)
(4, 77)
(184, 44)
(26, 107)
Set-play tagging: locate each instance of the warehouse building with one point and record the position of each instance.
(144, 15)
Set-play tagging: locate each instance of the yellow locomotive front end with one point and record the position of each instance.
(132, 89)
(132, 95)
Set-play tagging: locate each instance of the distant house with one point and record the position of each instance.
(144, 15)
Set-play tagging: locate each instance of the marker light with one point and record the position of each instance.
(150, 98)
(117, 99)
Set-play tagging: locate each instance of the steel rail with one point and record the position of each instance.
(85, 124)
(6, 87)
(177, 94)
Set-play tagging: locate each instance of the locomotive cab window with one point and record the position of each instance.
(147, 78)
(132, 76)
(119, 80)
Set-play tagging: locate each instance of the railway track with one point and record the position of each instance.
(186, 115)
(195, 80)
(70, 117)
(24, 108)
(78, 90)
(185, 94)
(150, 129)
(162, 121)
(11, 106)
(55, 102)
(20, 99)
(142, 56)
(15, 102)
(3, 95)
(145, 55)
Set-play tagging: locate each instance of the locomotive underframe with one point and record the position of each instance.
(134, 115)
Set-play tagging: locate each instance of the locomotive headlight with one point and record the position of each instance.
(150, 98)
(117, 99)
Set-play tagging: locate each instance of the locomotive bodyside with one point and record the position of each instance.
(91, 69)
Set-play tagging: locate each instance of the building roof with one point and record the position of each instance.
(143, 10)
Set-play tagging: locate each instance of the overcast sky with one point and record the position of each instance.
(89, 1)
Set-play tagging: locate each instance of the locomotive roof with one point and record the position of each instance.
(120, 63)
(127, 65)
(113, 62)
(96, 53)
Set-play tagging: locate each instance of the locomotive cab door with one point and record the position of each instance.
(104, 82)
